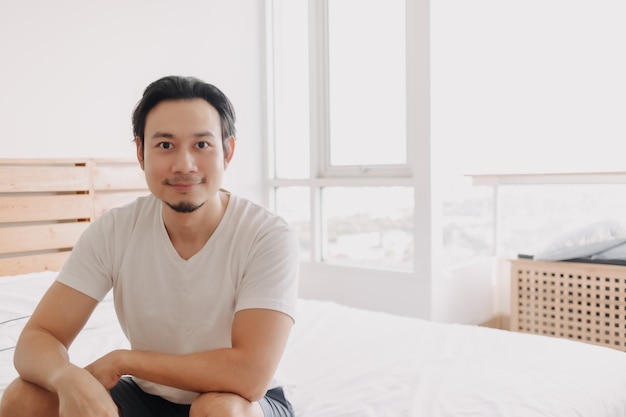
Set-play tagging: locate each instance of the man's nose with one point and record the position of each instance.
(185, 162)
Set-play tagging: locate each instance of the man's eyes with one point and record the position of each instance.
(200, 145)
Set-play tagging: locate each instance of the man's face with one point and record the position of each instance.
(182, 156)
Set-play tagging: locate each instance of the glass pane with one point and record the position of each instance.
(533, 215)
(367, 82)
(368, 226)
(291, 84)
(292, 204)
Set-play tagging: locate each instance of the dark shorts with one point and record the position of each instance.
(132, 401)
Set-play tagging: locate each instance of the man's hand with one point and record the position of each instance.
(82, 395)
(107, 369)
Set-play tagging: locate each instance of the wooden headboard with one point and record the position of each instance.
(45, 204)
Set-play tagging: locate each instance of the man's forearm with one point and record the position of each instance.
(221, 370)
(259, 338)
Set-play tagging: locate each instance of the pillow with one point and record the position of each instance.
(615, 253)
(583, 242)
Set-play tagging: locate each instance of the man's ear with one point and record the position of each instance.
(139, 145)
(230, 148)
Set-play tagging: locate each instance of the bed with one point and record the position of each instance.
(340, 361)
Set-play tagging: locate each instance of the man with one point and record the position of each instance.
(204, 283)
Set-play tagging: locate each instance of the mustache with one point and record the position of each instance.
(184, 179)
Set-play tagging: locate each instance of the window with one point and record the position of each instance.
(340, 170)
(350, 127)
(534, 214)
(366, 83)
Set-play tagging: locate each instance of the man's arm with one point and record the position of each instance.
(259, 337)
(41, 355)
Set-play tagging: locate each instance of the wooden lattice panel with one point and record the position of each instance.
(579, 301)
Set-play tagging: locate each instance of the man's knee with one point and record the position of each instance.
(22, 398)
(223, 405)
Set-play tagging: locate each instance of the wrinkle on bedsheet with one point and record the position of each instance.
(16, 309)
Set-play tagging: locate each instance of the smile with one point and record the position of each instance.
(184, 187)
(183, 183)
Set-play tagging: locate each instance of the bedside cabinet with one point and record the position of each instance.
(578, 301)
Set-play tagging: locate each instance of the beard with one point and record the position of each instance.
(184, 206)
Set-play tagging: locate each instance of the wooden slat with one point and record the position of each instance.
(105, 201)
(33, 263)
(40, 237)
(29, 178)
(57, 191)
(32, 208)
(47, 161)
(122, 176)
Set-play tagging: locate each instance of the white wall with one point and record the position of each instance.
(532, 85)
(393, 292)
(72, 71)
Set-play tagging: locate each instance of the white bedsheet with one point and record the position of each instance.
(345, 362)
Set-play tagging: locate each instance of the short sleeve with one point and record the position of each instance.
(270, 278)
(88, 269)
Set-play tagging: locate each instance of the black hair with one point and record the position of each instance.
(184, 88)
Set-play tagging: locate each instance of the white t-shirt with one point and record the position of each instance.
(167, 304)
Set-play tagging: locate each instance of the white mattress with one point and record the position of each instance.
(345, 362)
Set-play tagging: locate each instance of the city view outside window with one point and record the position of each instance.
(480, 221)
(532, 215)
(368, 226)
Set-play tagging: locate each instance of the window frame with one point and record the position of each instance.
(415, 173)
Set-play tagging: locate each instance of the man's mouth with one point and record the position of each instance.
(183, 185)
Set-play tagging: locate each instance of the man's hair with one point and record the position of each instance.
(184, 88)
